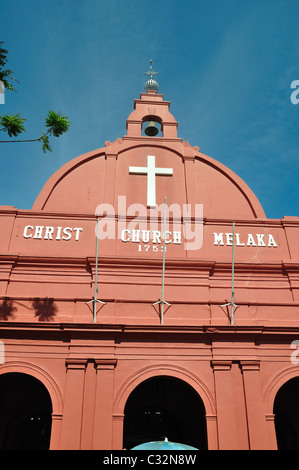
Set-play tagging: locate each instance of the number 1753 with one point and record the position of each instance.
(155, 248)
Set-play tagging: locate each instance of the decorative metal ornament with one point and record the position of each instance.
(151, 84)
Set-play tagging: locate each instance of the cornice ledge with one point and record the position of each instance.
(262, 266)
(291, 266)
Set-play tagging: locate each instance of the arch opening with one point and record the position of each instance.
(156, 122)
(25, 413)
(165, 407)
(286, 410)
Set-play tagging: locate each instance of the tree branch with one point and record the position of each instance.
(26, 140)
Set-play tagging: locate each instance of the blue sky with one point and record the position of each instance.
(226, 66)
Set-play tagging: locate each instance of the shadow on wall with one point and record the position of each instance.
(7, 310)
(45, 310)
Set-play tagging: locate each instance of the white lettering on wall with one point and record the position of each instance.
(25, 233)
(155, 236)
(260, 239)
(40, 232)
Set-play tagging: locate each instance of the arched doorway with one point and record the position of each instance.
(286, 410)
(25, 413)
(164, 407)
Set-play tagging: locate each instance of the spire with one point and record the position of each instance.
(151, 84)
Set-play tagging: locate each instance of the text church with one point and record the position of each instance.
(146, 296)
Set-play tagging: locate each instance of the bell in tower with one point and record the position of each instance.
(151, 129)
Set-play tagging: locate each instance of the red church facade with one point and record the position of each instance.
(105, 346)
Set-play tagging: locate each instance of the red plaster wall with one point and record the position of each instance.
(46, 322)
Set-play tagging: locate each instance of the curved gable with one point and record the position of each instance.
(101, 176)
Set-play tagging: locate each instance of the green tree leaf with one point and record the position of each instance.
(12, 124)
(46, 144)
(57, 123)
(6, 75)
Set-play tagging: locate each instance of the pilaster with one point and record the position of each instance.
(103, 417)
(73, 400)
(55, 431)
(255, 411)
(226, 423)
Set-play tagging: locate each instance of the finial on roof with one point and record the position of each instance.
(151, 84)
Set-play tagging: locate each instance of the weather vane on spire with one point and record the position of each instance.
(151, 72)
(151, 84)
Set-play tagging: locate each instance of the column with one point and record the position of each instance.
(108, 246)
(227, 432)
(190, 180)
(270, 420)
(103, 419)
(212, 434)
(55, 431)
(110, 177)
(73, 400)
(256, 420)
(118, 431)
(88, 408)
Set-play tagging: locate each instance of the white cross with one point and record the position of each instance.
(151, 171)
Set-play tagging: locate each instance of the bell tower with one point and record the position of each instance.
(151, 109)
